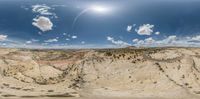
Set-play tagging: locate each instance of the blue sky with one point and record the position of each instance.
(99, 23)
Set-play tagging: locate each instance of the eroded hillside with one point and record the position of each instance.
(147, 72)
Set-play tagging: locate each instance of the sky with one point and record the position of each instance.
(99, 23)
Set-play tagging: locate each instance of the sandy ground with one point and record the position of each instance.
(127, 73)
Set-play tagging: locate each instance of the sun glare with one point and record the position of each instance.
(99, 9)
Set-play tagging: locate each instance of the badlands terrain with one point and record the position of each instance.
(136, 73)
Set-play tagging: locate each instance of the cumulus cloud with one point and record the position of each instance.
(42, 9)
(82, 42)
(170, 40)
(70, 37)
(64, 33)
(28, 42)
(118, 42)
(3, 37)
(157, 33)
(43, 23)
(110, 38)
(140, 42)
(4, 44)
(195, 38)
(149, 40)
(51, 40)
(146, 29)
(129, 28)
(135, 40)
(34, 40)
(74, 37)
(31, 41)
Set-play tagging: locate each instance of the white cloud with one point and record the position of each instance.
(43, 23)
(118, 42)
(4, 44)
(110, 38)
(82, 42)
(157, 33)
(67, 39)
(42, 9)
(3, 37)
(140, 42)
(34, 40)
(74, 37)
(170, 40)
(31, 41)
(64, 33)
(135, 40)
(196, 38)
(28, 42)
(146, 29)
(51, 40)
(149, 40)
(129, 28)
(40, 33)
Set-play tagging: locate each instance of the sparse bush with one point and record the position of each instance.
(108, 54)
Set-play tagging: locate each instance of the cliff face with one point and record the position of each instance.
(150, 72)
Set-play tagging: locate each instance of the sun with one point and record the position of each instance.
(95, 9)
(99, 9)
